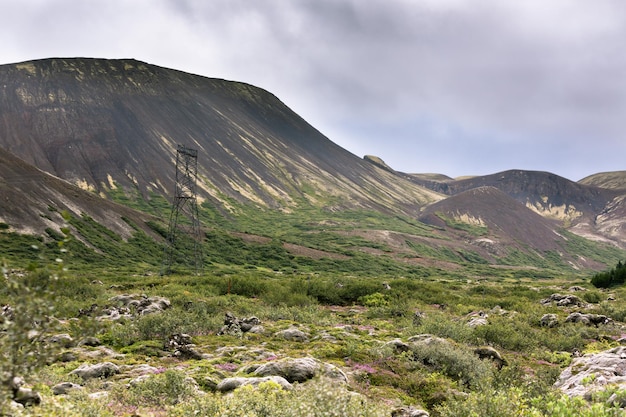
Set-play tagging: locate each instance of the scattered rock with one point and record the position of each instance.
(236, 327)
(615, 400)
(97, 353)
(588, 319)
(88, 312)
(63, 340)
(65, 387)
(258, 329)
(398, 345)
(98, 395)
(182, 347)
(499, 311)
(153, 305)
(418, 317)
(409, 412)
(7, 312)
(563, 300)
(67, 356)
(300, 370)
(487, 352)
(230, 384)
(426, 339)
(90, 341)
(99, 370)
(576, 288)
(27, 397)
(477, 321)
(592, 372)
(141, 304)
(293, 334)
(549, 320)
(143, 369)
(15, 407)
(139, 379)
(114, 314)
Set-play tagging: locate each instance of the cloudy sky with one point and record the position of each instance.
(458, 87)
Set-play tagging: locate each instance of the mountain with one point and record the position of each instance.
(101, 124)
(503, 217)
(612, 180)
(79, 134)
(587, 209)
(493, 223)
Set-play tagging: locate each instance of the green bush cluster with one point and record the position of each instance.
(456, 362)
(315, 399)
(615, 276)
(514, 402)
(24, 329)
(157, 391)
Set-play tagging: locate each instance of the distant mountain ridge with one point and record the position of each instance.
(94, 127)
(613, 180)
(589, 210)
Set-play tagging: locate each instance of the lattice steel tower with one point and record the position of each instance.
(184, 238)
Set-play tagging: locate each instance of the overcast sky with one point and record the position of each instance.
(458, 87)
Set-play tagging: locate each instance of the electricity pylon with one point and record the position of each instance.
(184, 231)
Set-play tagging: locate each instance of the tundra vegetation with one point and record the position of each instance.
(404, 334)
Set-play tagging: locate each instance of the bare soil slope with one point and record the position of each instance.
(31, 201)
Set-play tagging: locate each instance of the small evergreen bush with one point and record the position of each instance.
(613, 277)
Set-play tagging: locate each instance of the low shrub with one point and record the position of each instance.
(314, 399)
(616, 311)
(508, 333)
(593, 296)
(442, 325)
(25, 324)
(507, 403)
(374, 300)
(460, 364)
(157, 391)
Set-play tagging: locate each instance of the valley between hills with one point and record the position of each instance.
(329, 284)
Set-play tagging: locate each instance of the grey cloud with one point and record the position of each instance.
(471, 85)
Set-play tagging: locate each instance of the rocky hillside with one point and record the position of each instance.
(496, 223)
(593, 209)
(33, 200)
(101, 124)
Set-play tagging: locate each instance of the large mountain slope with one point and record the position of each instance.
(106, 123)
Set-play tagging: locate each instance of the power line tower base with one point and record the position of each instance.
(184, 237)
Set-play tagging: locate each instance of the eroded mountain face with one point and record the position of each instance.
(102, 124)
